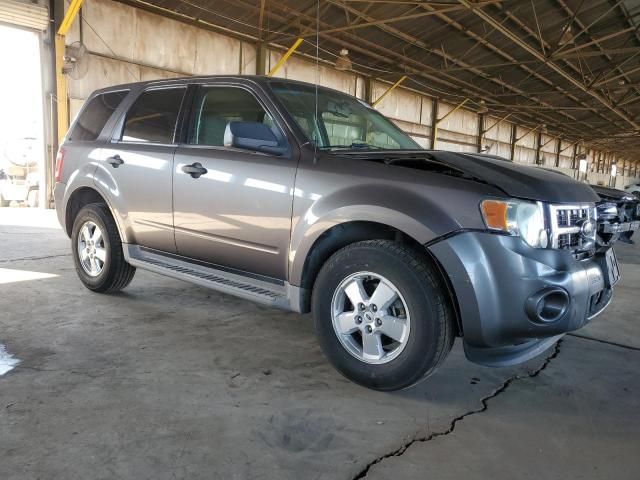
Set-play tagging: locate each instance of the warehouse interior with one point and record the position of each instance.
(168, 380)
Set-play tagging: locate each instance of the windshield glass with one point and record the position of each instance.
(343, 121)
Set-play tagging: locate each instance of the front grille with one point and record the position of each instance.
(567, 218)
(569, 240)
(566, 227)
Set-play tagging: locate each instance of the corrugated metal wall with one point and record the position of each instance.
(128, 44)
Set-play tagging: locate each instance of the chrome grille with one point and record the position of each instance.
(566, 223)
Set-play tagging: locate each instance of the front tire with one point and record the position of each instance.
(382, 314)
(97, 251)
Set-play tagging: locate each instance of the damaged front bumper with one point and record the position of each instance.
(515, 301)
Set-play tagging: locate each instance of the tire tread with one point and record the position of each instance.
(423, 267)
(121, 273)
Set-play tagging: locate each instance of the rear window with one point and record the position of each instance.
(153, 116)
(95, 115)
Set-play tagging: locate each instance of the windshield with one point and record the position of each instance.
(343, 122)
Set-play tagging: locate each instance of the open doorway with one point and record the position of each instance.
(21, 123)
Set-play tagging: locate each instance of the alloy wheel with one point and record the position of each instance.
(91, 249)
(370, 317)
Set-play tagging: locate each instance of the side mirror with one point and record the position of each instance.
(254, 136)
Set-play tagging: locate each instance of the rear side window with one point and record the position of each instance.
(153, 116)
(94, 116)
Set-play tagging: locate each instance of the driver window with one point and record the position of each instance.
(217, 106)
(345, 127)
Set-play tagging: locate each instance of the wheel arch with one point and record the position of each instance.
(345, 233)
(79, 198)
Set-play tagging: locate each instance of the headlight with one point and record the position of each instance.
(518, 218)
(607, 210)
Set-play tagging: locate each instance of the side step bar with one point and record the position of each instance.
(281, 296)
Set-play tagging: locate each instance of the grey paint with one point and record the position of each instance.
(262, 214)
(485, 269)
(339, 189)
(140, 191)
(237, 214)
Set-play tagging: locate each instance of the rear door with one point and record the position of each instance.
(238, 213)
(137, 165)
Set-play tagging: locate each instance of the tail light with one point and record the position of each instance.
(59, 162)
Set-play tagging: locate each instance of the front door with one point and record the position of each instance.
(238, 213)
(139, 166)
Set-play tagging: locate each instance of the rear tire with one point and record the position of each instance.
(3, 202)
(97, 250)
(417, 313)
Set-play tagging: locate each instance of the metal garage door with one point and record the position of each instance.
(22, 14)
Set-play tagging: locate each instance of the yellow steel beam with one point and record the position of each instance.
(497, 123)
(437, 122)
(61, 90)
(548, 142)
(528, 132)
(389, 90)
(70, 16)
(61, 81)
(285, 57)
(568, 147)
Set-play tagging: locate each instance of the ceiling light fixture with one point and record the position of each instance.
(343, 62)
(567, 37)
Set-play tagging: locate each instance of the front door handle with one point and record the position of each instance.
(115, 161)
(195, 170)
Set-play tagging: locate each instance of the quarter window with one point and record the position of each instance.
(153, 116)
(215, 107)
(95, 115)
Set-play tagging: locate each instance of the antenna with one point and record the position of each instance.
(317, 120)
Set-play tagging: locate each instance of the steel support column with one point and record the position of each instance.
(61, 81)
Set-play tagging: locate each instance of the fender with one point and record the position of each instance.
(85, 177)
(404, 210)
(106, 185)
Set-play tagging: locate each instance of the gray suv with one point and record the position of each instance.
(307, 199)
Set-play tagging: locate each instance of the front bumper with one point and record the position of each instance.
(498, 282)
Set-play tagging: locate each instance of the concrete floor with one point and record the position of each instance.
(168, 380)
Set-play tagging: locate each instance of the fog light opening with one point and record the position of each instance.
(548, 305)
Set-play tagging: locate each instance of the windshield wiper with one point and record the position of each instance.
(353, 146)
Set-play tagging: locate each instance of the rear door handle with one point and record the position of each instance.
(195, 170)
(115, 161)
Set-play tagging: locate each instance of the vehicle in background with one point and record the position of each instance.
(19, 175)
(304, 198)
(634, 188)
(618, 215)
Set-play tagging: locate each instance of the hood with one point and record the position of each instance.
(515, 180)
(608, 193)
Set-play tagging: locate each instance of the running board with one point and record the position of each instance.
(239, 285)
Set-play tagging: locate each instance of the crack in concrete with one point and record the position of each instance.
(606, 342)
(26, 259)
(484, 406)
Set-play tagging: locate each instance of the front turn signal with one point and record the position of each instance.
(495, 214)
